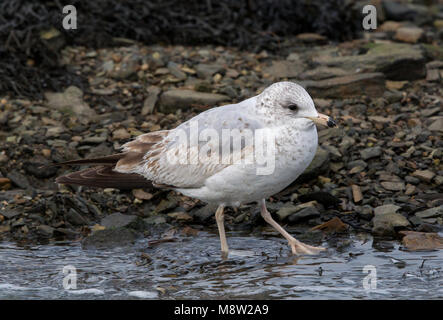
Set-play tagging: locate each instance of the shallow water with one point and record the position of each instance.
(191, 268)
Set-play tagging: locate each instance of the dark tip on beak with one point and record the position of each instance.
(331, 123)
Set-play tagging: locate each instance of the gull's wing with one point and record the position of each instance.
(173, 162)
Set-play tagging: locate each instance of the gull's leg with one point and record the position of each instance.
(296, 246)
(219, 217)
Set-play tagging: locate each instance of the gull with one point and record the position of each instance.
(284, 111)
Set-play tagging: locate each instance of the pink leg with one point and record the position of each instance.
(296, 246)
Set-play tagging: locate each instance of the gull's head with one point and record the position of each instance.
(293, 100)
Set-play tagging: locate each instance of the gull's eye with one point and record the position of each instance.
(293, 107)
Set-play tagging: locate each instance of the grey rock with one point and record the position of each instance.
(175, 70)
(18, 179)
(365, 211)
(75, 218)
(45, 230)
(204, 214)
(95, 139)
(157, 219)
(387, 208)
(118, 220)
(373, 84)
(397, 61)
(369, 153)
(412, 180)
(416, 221)
(70, 101)
(393, 186)
(432, 75)
(175, 99)
(126, 68)
(437, 125)
(424, 175)
(285, 69)
(398, 11)
(386, 224)
(356, 163)
(430, 213)
(323, 72)
(9, 214)
(39, 169)
(304, 214)
(286, 211)
(110, 238)
(151, 100)
(205, 71)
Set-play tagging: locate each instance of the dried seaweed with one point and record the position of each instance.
(29, 65)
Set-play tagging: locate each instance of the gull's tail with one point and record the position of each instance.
(104, 175)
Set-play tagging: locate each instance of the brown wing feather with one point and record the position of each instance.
(112, 159)
(105, 177)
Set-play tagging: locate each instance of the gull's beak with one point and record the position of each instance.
(323, 120)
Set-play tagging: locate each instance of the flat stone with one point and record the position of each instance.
(155, 220)
(285, 69)
(127, 68)
(356, 163)
(387, 208)
(206, 71)
(45, 230)
(75, 218)
(397, 61)
(393, 186)
(430, 213)
(390, 26)
(385, 224)
(110, 238)
(204, 214)
(175, 70)
(304, 214)
(151, 100)
(398, 11)
(433, 75)
(9, 214)
(175, 99)
(118, 220)
(372, 84)
(408, 34)
(290, 209)
(120, 134)
(311, 38)
(323, 72)
(369, 153)
(70, 101)
(437, 125)
(18, 179)
(286, 211)
(421, 240)
(333, 225)
(424, 175)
